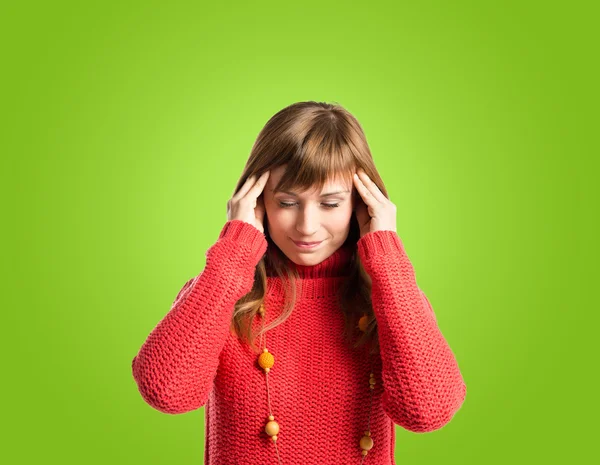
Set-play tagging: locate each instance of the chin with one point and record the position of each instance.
(302, 259)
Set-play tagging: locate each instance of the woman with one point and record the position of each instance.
(304, 354)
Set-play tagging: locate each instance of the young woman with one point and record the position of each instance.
(304, 354)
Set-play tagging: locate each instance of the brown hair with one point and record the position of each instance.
(317, 141)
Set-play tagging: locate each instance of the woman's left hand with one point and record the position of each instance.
(376, 212)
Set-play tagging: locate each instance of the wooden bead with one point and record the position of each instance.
(271, 417)
(365, 452)
(363, 322)
(366, 443)
(272, 428)
(274, 438)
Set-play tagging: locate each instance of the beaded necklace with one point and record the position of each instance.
(266, 360)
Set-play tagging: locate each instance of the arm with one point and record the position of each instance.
(423, 386)
(175, 367)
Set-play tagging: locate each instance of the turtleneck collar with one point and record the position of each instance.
(320, 280)
(333, 266)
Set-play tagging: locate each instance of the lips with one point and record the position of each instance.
(307, 243)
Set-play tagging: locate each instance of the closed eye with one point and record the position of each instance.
(327, 205)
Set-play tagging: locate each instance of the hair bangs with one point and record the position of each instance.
(322, 158)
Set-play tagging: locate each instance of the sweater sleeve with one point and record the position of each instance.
(176, 365)
(422, 384)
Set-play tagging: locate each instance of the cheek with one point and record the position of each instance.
(340, 216)
(275, 216)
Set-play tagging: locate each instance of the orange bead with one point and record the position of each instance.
(272, 428)
(366, 443)
(266, 360)
(363, 322)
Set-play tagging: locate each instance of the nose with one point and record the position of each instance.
(308, 223)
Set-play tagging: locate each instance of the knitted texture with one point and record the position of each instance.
(318, 386)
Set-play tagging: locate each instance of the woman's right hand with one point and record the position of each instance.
(248, 204)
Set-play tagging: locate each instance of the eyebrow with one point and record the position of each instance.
(322, 195)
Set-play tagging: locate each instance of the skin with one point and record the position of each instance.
(307, 217)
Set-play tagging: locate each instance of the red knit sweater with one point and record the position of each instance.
(319, 387)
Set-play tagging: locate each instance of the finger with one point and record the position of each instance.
(365, 194)
(260, 208)
(371, 187)
(258, 187)
(245, 187)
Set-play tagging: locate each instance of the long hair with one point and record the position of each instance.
(317, 141)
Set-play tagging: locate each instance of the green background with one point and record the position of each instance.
(126, 126)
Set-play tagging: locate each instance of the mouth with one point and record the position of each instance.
(307, 245)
